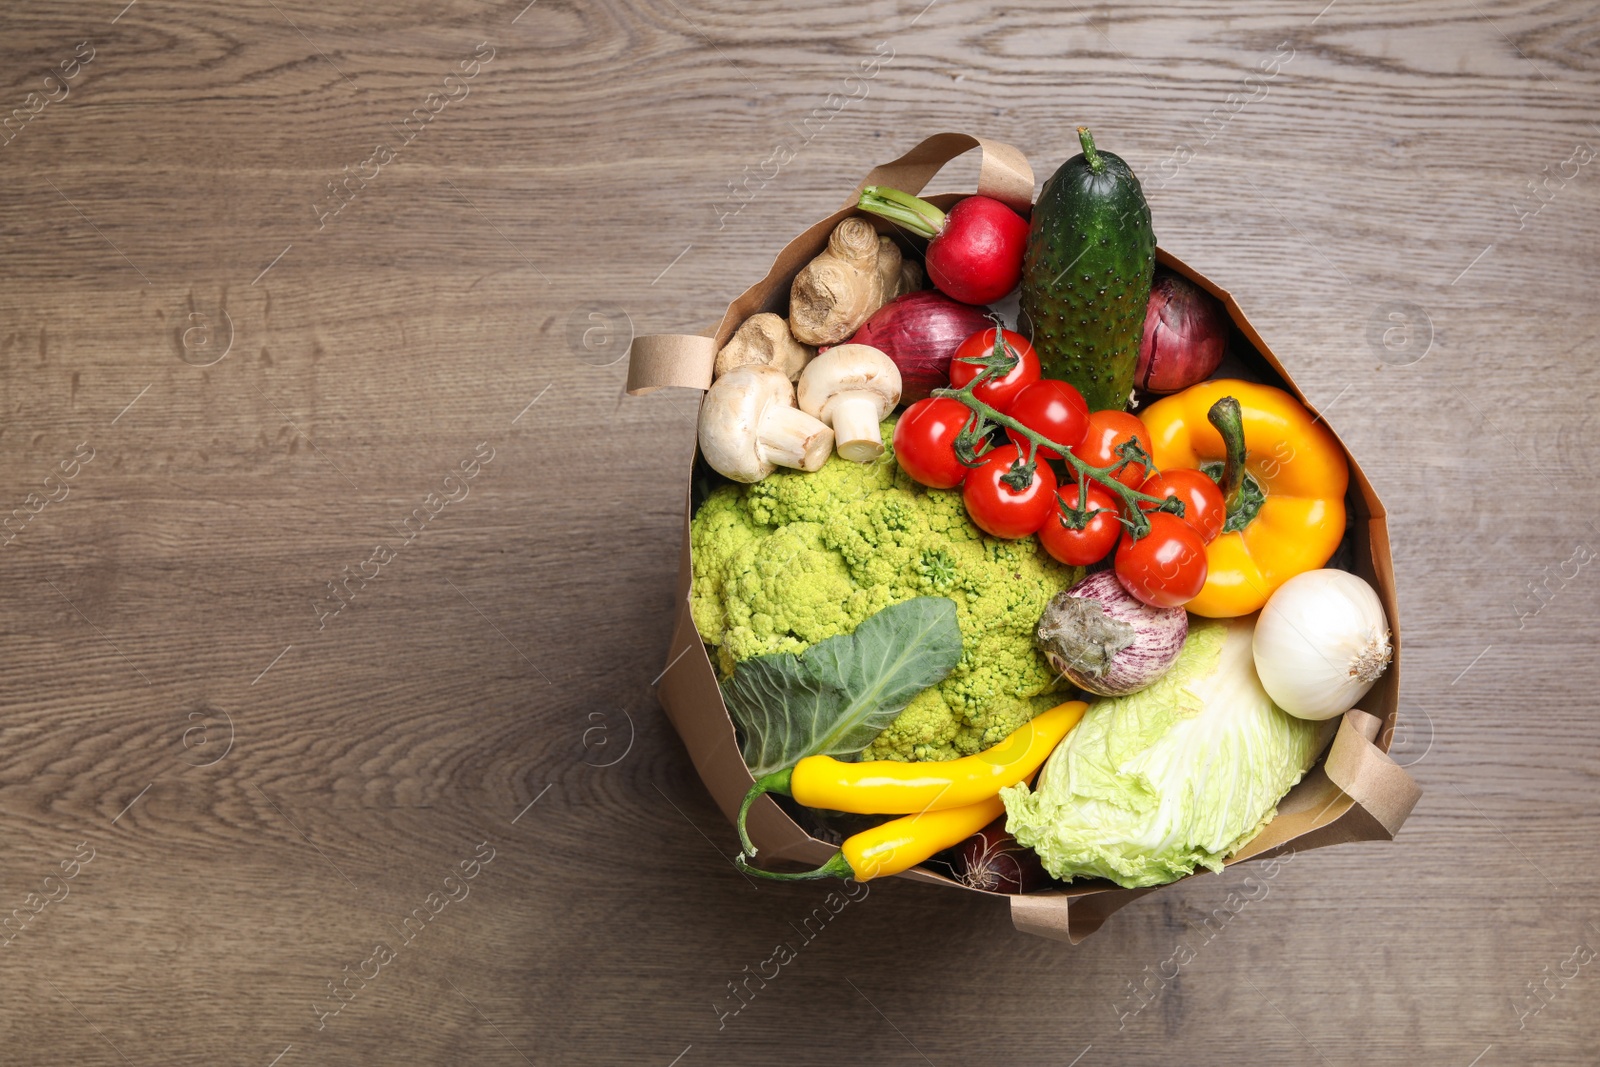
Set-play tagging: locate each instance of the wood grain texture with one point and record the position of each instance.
(266, 799)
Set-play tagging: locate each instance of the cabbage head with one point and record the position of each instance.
(1176, 776)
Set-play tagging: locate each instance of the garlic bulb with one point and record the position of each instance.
(1320, 643)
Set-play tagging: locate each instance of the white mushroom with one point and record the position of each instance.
(852, 388)
(749, 425)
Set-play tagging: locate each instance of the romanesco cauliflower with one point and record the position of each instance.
(782, 564)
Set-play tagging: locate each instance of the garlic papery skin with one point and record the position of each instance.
(1320, 643)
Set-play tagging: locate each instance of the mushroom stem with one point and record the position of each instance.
(855, 427)
(852, 388)
(791, 438)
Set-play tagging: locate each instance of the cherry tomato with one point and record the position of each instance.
(998, 393)
(1203, 506)
(1000, 510)
(1166, 568)
(925, 439)
(1079, 548)
(1054, 409)
(1108, 430)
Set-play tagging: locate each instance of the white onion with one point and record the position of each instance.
(1320, 643)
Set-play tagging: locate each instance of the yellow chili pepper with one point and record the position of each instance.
(1284, 477)
(890, 787)
(897, 845)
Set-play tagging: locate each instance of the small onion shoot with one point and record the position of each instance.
(1320, 643)
(991, 860)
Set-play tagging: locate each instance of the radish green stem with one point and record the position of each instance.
(914, 213)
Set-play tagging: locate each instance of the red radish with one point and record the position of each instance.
(921, 332)
(974, 251)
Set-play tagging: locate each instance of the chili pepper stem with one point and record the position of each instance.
(911, 212)
(836, 867)
(776, 782)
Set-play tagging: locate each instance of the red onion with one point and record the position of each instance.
(1104, 640)
(992, 859)
(920, 331)
(1185, 331)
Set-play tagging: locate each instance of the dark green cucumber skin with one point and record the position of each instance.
(1086, 278)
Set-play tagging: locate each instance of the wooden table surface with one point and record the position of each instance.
(339, 567)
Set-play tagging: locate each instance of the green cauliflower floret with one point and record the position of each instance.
(786, 592)
(795, 558)
(926, 730)
(720, 529)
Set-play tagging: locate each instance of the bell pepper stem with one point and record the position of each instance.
(1240, 492)
(1229, 421)
(836, 867)
(776, 782)
(914, 213)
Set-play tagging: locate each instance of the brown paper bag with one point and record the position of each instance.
(1357, 793)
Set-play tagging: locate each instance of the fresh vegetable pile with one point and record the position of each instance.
(936, 532)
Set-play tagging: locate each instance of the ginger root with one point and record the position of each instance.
(910, 279)
(889, 264)
(898, 274)
(837, 291)
(764, 340)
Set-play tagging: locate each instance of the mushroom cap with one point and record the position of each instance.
(855, 370)
(730, 420)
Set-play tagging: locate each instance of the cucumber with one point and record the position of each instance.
(1086, 275)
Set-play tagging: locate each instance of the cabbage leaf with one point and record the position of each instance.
(840, 693)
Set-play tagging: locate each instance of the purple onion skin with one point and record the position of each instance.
(1074, 635)
(920, 332)
(1185, 332)
(992, 859)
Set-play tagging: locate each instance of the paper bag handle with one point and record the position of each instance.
(663, 359)
(1381, 789)
(1003, 174)
(1383, 795)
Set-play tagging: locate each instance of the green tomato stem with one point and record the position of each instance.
(1106, 476)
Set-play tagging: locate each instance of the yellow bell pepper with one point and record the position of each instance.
(1289, 520)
